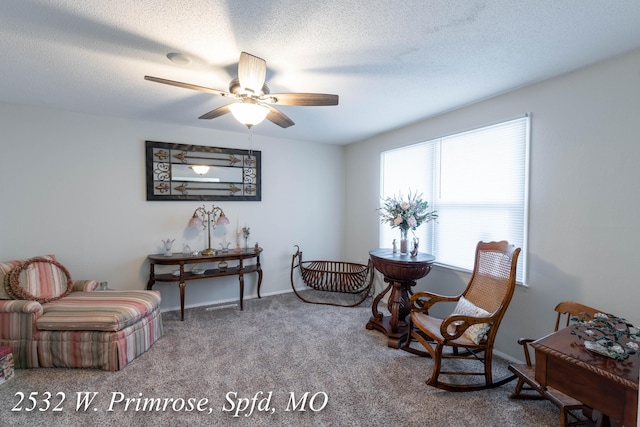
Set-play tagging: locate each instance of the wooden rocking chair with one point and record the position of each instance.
(474, 324)
(527, 386)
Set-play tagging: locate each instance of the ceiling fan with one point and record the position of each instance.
(253, 101)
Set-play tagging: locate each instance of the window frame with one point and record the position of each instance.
(432, 231)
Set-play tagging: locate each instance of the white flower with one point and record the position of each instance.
(632, 345)
(617, 349)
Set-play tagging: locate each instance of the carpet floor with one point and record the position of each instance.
(279, 362)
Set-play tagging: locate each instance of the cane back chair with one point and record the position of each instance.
(472, 328)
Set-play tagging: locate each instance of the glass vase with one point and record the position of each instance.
(404, 242)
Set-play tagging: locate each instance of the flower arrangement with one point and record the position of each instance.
(245, 233)
(406, 214)
(607, 335)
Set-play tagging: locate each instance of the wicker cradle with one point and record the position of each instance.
(333, 276)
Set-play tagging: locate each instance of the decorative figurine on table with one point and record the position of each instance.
(395, 246)
(414, 251)
(607, 335)
(245, 234)
(167, 246)
(256, 247)
(224, 246)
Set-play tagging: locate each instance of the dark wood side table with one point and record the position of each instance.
(604, 384)
(401, 273)
(178, 259)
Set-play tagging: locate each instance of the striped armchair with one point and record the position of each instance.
(50, 320)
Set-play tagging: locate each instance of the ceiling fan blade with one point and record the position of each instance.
(216, 113)
(305, 99)
(187, 86)
(252, 71)
(278, 117)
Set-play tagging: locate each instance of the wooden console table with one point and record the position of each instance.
(604, 384)
(401, 273)
(181, 260)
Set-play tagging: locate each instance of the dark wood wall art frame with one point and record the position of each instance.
(234, 175)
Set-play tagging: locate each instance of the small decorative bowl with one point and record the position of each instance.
(198, 271)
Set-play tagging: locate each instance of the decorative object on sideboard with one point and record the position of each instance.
(167, 246)
(204, 218)
(224, 245)
(407, 215)
(246, 231)
(607, 335)
(414, 248)
(194, 172)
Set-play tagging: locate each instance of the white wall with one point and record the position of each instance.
(584, 193)
(74, 185)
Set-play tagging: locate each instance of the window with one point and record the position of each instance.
(476, 180)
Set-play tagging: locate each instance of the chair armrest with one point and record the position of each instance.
(460, 323)
(84, 285)
(20, 317)
(20, 306)
(423, 301)
(524, 342)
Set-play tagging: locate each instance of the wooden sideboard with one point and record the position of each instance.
(180, 260)
(606, 385)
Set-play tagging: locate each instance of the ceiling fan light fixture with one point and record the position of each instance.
(253, 100)
(249, 114)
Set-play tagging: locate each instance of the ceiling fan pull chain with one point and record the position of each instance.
(250, 142)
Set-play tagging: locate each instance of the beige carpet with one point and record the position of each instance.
(278, 347)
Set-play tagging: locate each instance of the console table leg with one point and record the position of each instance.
(152, 279)
(259, 270)
(241, 290)
(259, 282)
(182, 286)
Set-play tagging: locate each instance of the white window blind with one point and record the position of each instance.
(476, 180)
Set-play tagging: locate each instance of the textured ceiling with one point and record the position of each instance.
(391, 63)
